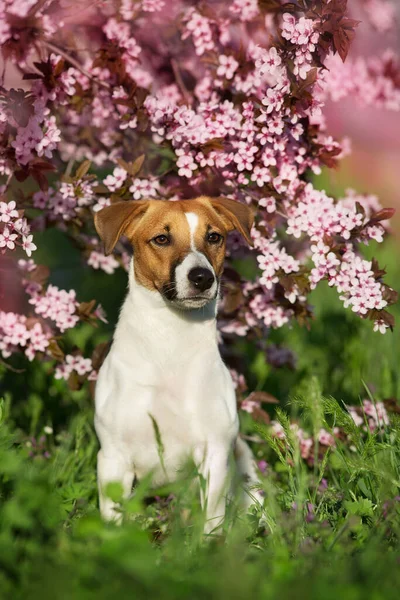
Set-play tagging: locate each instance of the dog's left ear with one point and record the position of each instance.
(112, 221)
(235, 216)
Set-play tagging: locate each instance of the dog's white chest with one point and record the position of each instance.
(169, 382)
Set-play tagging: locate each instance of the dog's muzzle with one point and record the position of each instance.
(193, 282)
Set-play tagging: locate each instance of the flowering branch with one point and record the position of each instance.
(227, 98)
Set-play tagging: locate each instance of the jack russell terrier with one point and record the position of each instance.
(164, 376)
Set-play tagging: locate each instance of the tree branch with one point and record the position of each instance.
(53, 48)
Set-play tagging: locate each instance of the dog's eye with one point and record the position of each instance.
(214, 237)
(161, 240)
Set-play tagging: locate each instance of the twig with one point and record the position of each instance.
(75, 63)
(36, 7)
(10, 176)
(70, 164)
(180, 82)
(10, 368)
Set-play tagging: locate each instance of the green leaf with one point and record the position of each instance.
(361, 507)
(114, 491)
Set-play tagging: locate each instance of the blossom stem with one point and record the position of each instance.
(53, 48)
(179, 81)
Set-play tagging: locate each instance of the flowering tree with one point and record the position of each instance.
(174, 99)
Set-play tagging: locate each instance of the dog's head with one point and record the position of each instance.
(179, 247)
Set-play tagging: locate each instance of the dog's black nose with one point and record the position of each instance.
(201, 278)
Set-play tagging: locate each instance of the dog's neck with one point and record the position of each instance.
(149, 321)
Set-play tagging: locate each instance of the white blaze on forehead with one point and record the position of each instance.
(193, 221)
(192, 260)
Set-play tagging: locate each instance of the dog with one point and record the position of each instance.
(163, 393)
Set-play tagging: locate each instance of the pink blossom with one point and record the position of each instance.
(28, 245)
(380, 326)
(268, 61)
(199, 27)
(246, 10)
(227, 66)
(50, 139)
(116, 180)
(8, 211)
(7, 239)
(377, 413)
(355, 416)
(249, 405)
(77, 363)
(325, 438)
(381, 14)
(186, 165)
(238, 379)
(144, 188)
(108, 264)
(14, 333)
(26, 141)
(268, 203)
(57, 305)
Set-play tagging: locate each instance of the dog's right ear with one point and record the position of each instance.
(112, 221)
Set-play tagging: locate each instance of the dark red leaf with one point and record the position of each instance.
(99, 354)
(382, 215)
(55, 351)
(40, 274)
(264, 397)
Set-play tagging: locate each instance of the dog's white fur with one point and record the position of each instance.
(164, 364)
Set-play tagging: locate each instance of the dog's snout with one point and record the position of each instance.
(201, 278)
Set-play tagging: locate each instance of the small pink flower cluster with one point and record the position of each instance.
(272, 259)
(306, 443)
(238, 379)
(369, 82)
(58, 305)
(121, 35)
(14, 229)
(116, 180)
(264, 308)
(64, 203)
(138, 187)
(250, 405)
(144, 188)
(246, 10)
(17, 334)
(199, 29)
(39, 137)
(82, 366)
(372, 413)
(357, 285)
(303, 34)
(97, 260)
(381, 14)
(130, 8)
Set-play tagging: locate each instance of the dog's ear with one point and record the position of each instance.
(235, 215)
(112, 221)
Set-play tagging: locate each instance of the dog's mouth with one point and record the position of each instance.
(194, 300)
(189, 302)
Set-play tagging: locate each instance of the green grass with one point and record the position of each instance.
(54, 545)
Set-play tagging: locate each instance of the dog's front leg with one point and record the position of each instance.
(112, 468)
(214, 468)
